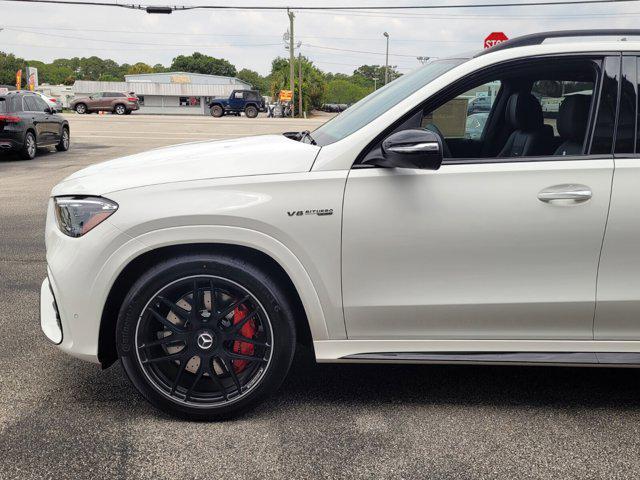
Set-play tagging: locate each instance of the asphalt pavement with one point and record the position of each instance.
(62, 418)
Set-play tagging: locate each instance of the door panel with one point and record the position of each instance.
(618, 308)
(470, 251)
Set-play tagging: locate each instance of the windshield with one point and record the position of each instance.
(374, 105)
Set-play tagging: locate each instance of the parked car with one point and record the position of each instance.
(248, 101)
(54, 103)
(27, 123)
(479, 104)
(383, 236)
(114, 102)
(475, 125)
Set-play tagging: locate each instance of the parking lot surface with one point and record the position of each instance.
(62, 418)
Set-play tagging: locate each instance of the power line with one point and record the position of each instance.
(169, 9)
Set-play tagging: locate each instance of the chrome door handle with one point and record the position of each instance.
(416, 147)
(575, 193)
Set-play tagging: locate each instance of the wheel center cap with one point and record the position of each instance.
(205, 340)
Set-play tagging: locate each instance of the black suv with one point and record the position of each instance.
(28, 123)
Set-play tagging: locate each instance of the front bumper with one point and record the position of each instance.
(79, 276)
(49, 315)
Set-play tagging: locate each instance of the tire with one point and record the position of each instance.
(128, 112)
(65, 141)
(80, 108)
(251, 111)
(120, 109)
(217, 111)
(200, 348)
(29, 147)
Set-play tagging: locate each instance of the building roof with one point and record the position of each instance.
(183, 77)
(166, 84)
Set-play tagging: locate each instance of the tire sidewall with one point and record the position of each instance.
(25, 153)
(253, 110)
(61, 147)
(217, 111)
(252, 279)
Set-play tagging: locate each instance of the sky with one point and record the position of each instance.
(336, 41)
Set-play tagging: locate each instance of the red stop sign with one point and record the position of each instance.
(495, 38)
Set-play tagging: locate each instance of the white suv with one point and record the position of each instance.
(389, 234)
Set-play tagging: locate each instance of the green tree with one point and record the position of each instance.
(254, 79)
(159, 68)
(199, 63)
(138, 68)
(9, 65)
(366, 74)
(345, 91)
(313, 81)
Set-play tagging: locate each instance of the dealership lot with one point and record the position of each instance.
(60, 416)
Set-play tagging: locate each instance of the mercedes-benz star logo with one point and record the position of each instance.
(205, 340)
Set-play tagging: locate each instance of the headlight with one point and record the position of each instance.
(77, 215)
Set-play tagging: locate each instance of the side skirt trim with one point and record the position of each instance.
(519, 358)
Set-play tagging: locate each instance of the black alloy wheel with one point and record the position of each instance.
(204, 345)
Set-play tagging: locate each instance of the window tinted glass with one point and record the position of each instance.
(552, 93)
(625, 136)
(374, 105)
(3, 105)
(30, 104)
(465, 116)
(603, 133)
(42, 105)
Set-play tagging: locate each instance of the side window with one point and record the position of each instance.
(238, 95)
(626, 134)
(465, 116)
(553, 93)
(603, 133)
(30, 104)
(41, 104)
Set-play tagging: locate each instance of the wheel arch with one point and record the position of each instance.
(107, 353)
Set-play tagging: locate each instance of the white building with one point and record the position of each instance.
(168, 93)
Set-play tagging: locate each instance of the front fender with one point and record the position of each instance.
(225, 235)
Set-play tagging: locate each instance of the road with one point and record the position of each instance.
(62, 418)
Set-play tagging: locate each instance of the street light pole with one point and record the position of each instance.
(386, 61)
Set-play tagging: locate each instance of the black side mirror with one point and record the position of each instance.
(413, 148)
(48, 109)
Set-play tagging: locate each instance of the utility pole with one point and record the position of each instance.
(386, 61)
(291, 59)
(299, 83)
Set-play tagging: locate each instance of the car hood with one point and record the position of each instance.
(260, 155)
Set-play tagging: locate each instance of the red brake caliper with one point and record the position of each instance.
(248, 330)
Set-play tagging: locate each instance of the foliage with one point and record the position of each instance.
(140, 67)
(313, 81)
(368, 75)
(9, 65)
(199, 63)
(256, 80)
(345, 91)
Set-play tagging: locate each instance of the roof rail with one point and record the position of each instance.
(538, 38)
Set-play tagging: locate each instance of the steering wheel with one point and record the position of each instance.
(446, 153)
